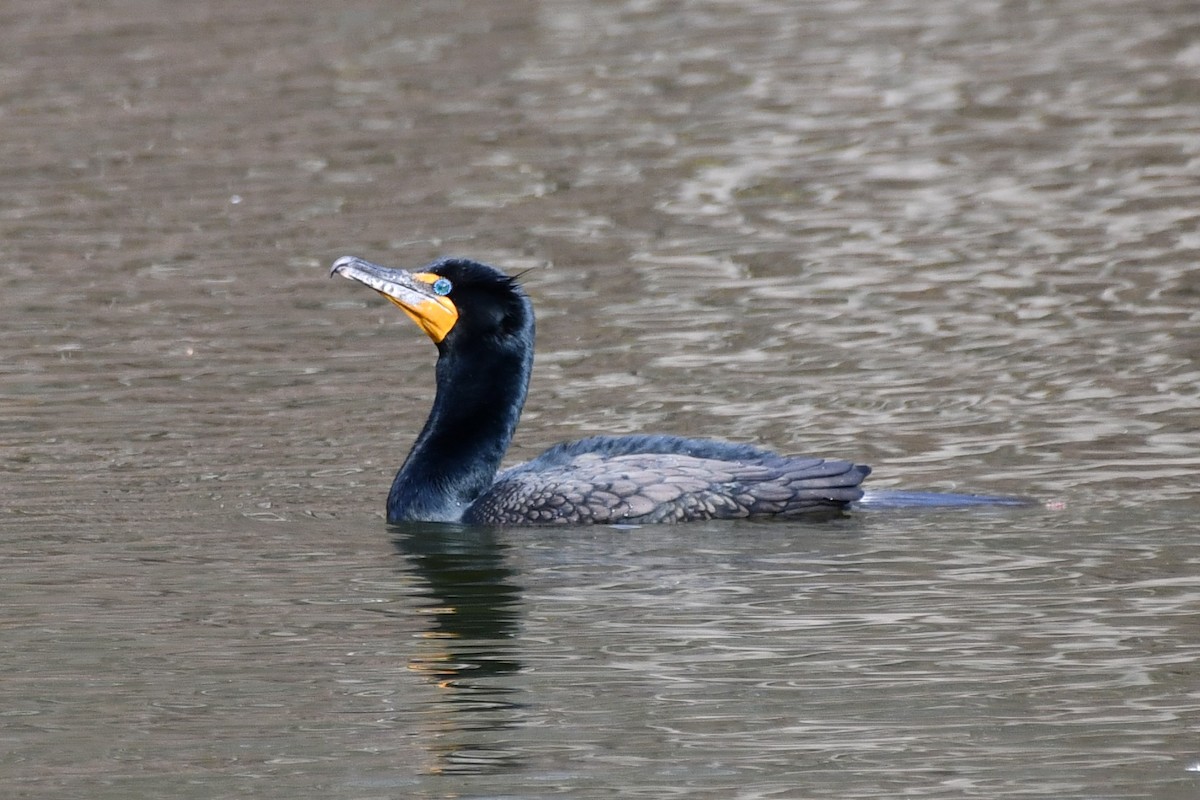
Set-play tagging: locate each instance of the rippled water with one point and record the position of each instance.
(955, 241)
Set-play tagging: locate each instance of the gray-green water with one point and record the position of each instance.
(956, 241)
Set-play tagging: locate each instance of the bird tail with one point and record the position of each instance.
(887, 499)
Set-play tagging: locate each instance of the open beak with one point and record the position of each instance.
(411, 291)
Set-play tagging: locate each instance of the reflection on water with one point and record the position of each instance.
(472, 603)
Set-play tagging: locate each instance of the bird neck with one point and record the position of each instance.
(480, 393)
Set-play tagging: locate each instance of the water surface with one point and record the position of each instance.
(955, 242)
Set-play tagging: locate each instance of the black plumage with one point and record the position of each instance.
(611, 479)
(483, 325)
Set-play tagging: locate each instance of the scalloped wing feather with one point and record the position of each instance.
(633, 488)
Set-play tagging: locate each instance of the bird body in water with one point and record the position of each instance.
(483, 325)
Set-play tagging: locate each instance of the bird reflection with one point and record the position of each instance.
(468, 648)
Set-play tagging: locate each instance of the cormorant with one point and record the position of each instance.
(482, 323)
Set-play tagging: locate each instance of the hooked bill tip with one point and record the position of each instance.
(340, 264)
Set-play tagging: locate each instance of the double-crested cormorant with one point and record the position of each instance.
(482, 323)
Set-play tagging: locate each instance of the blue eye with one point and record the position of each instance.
(442, 287)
